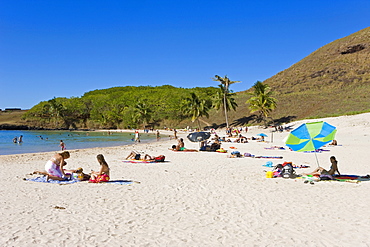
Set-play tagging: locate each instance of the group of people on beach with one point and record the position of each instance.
(54, 169)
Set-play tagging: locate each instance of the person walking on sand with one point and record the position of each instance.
(157, 134)
(175, 133)
(62, 145)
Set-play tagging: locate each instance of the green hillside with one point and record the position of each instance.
(333, 80)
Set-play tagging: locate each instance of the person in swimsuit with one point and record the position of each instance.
(180, 145)
(62, 145)
(137, 156)
(54, 167)
(333, 169)
(103, 174)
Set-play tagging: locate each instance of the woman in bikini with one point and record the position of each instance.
(333, 169)
(54, 167)
(103, 174)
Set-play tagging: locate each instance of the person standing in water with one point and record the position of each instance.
(62, 145)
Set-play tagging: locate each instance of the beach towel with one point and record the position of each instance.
(141, 161)
(344, 177)
(317, 151)
(274, 148)
(50, 181)
(268, 157)
(119, 182)
(43, 180)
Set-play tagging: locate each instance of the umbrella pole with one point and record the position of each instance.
(317, 161)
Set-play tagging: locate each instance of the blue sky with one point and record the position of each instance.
(64, 48)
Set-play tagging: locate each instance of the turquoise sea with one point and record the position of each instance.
(47, 141)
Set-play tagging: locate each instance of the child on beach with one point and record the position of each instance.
(103, 174)
(62, 145)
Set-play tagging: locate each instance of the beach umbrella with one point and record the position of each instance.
(199, 136)
(310, 137)
(262, 134)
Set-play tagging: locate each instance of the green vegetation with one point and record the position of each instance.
(196, 107)
(119, 107)
(261, 101)
(224, 98)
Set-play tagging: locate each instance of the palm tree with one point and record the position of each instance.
(261, 100)
(195, 107)
(55, 109)
(225, 94)
(142, 113)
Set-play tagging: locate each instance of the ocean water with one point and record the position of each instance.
(47, 141)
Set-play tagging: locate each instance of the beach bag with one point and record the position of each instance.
(288, 171)
(160, 158)
(236, 153)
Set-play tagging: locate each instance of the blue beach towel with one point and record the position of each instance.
(121, 182)
(43, 180)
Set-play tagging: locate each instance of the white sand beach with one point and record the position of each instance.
(193, 199)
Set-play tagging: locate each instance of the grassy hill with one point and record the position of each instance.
(334, 80)
(10, 119)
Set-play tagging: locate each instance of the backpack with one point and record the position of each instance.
(160, 158)
(287, 171)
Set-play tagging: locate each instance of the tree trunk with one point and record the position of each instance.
(198, 124)
(225, 109)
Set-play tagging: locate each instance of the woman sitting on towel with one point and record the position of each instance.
(321, 171)
(54, 167)
(181, 145)
(103, 174)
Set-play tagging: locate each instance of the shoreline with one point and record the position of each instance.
(194, 198)
(89, 143)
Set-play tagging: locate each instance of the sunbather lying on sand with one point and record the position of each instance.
(137, 156)
(321, 171)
